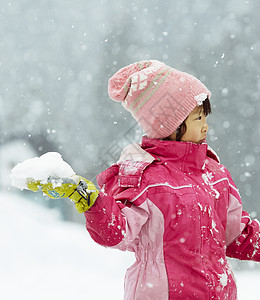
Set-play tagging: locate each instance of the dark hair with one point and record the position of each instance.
(182, 128)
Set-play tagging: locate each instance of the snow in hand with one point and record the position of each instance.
(40, 168)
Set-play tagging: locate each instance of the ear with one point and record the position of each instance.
(172, 137)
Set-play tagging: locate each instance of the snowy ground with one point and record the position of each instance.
(45, 258)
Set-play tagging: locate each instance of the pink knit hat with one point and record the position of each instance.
(159, 97)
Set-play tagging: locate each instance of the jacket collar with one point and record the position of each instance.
(188, 156)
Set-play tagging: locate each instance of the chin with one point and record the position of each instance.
(202, 141)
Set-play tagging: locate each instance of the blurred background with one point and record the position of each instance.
(57, 56)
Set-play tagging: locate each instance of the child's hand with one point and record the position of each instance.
(81, 191)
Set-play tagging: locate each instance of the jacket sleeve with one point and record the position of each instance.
(247, 245)
(117, 216)
(242, 233)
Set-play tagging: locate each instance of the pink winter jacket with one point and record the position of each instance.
(177, 208)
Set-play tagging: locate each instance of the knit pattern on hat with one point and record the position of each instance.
(159, 97)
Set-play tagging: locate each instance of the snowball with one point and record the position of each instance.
(40, 168)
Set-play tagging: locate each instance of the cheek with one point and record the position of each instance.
(191, 134)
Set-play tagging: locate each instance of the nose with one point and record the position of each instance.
(205, 127)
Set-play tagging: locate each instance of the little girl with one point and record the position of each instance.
(169, 199)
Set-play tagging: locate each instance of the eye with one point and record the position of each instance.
(199, 118)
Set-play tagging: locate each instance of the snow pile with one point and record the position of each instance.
(40, 168)
(43, 257)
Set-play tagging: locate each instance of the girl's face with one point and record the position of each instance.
(196, 127)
